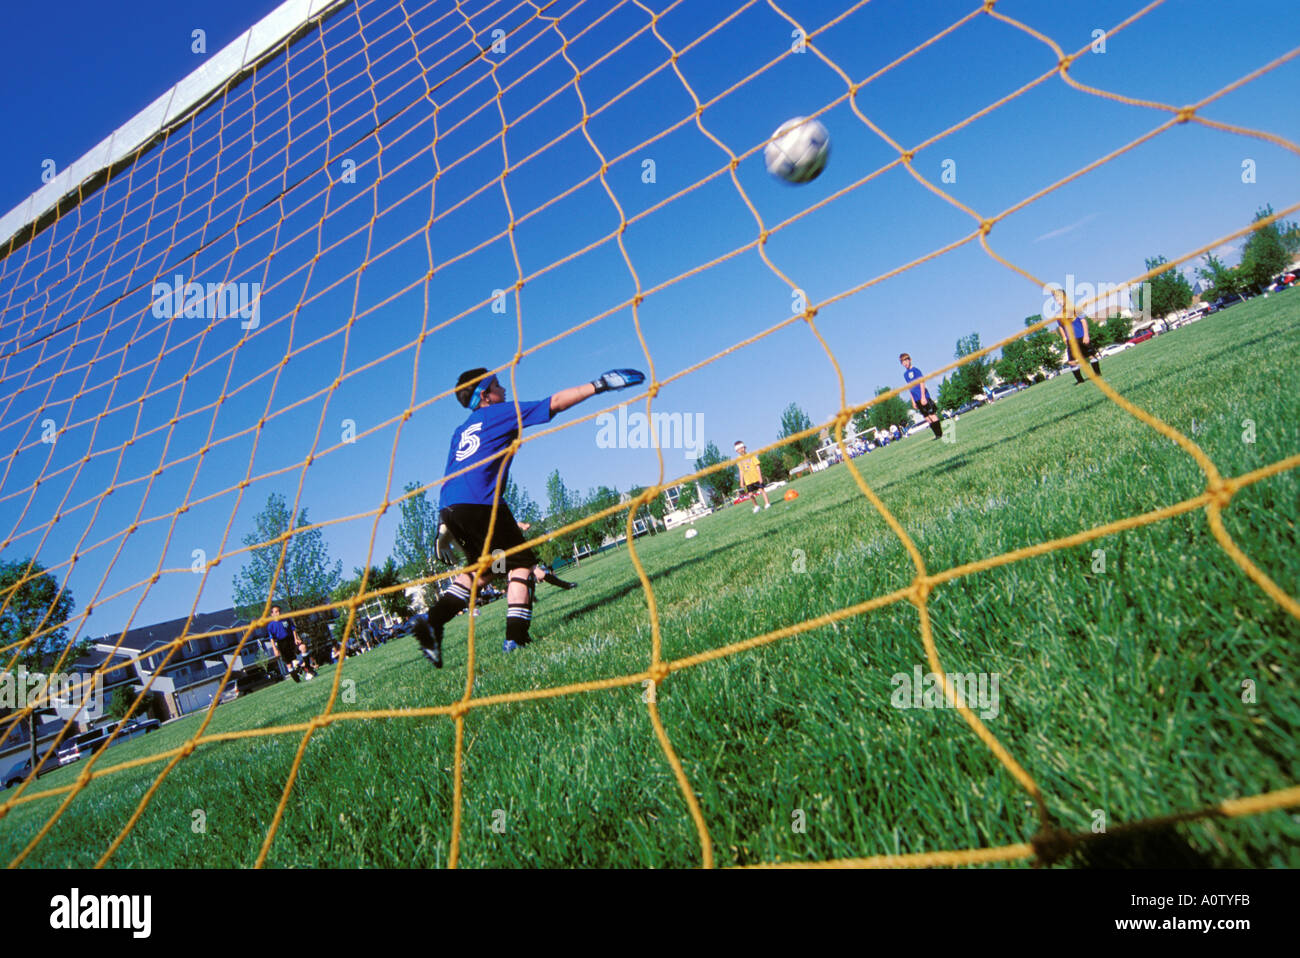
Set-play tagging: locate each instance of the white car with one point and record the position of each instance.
(1114, 348)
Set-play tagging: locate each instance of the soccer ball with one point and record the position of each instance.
(692, 533)
(798, 150)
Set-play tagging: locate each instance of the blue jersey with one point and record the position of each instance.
(486, 432)
(910, 375)
(279, 631)
(1078, 328)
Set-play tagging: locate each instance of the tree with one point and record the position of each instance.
(1016, 365)
(889, 412)
(306, 577)
(1170, 290)
(795, 420)
(974, 375)
(721, 484)
(561, 509)
(520, 503)
(645, 511)
(612, 525)
(30, 607)
(658, 507)
(772, 464)
(1224, 279)
(1118, 329)
(1265, 255)
(416, 547)
(1044, 346)
(559, 500)
(950, 397)
(862, 422)
(686, 497)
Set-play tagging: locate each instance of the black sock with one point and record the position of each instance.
(1078, 376)
(937, 429)
(518, 618)
(552, 579)
(450, 604)
(1096, 367)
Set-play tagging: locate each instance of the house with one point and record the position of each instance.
(187, 681)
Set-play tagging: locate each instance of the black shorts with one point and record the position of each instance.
(468, 523)
(1088, 349)
(927, 408)
(288, 649)
(753, 487)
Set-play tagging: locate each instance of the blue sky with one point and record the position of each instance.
(77, 299)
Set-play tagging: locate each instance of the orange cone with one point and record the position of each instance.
(791, 494)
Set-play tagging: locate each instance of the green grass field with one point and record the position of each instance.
(1121, 692)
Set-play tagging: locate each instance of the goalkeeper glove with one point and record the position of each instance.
(618, 379)
(443, 549)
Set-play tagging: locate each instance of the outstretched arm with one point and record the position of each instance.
(568, 398)
(613, 379)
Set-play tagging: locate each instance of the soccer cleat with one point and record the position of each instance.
(430, 638)
(756, 508)
(553, 579)
(767, 505)
(509, 645)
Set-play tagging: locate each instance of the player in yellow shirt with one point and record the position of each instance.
(751, 475)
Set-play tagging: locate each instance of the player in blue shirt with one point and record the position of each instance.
(471, 484)
(1086, 347)
(921, 400)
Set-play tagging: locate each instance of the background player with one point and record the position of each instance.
(287, 645)
(751, 476)
(921, 400)
(1086, 347)
(466, 500)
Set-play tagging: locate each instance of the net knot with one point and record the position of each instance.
(921, 588)
(908, 155)
(988, 5)
(1221, 493)
(459, 710)
(187, 749)
(658, 673)
(1065, 61)
(985, 226)
(1186, 113)
(653, 390)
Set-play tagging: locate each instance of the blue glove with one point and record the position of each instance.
(618, 379)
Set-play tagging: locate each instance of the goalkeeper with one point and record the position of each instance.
(466, 501)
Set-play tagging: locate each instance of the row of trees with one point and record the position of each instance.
(1269, 250)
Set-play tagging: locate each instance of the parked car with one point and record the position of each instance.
(82, 744)
(1114, 348)
(967, 407)
(1004, 390)
(1142, 337)
(137, 726)
(1223, 302)
(18, 771)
